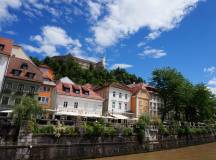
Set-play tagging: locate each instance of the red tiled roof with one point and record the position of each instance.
(115, 85)
(92, 94)
(135, 88)
(15, 63)
(44, 66)
(8, 45)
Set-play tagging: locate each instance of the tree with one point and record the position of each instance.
(186, 102)
(204, 102)
(168, 82)
(36, 61)
(142, 124)
(97, 76)
(28, 109)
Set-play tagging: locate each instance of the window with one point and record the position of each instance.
(16, 72)
(17, 101)
(120, 95)
(8, 85)
(86, 93)
(24, 66)
(120, 105)
(47, 79)
(2, 47)
(20, 87)
(65, 104)
(32, 89)
(125, 106)
(75, 104)
(45, 89)
(77, 91)
(114, 93)
(113, 104)
(126, 96)
(66, 89)
(43, 100)
(5, 100)
(30, 75)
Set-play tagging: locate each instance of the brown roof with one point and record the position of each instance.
(15, 64)
(44, 66)
(8, 45)
(115, 85)
(135, 88)
(92, 94)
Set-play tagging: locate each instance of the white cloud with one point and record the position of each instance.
(95, 9)
(212, 82)
(121, 65)
(126, 17)
(141, 44)
(153, 35)
(210, 70)
(10, 32)
(51, 39)
(5, 14)
(212, 85)
(151, 52)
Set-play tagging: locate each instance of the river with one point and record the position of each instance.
(200, 152)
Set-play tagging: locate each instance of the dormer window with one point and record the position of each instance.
(47, 79)
(24, 66)
(2, 47)
(85, 91)
(76, 89)
(66, 89)
(16, 72)
(30, 75)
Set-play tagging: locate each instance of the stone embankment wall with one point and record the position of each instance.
(48, 147)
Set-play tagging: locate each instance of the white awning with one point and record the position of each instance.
(119, 116)
(50, 110)
(91, 115)
(67, 113)
(7, 111)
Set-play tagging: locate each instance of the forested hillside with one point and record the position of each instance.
(99, 76)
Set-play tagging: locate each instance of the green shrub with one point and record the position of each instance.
(109, 131)
(46, 129)
(98, 129)
(88, 130)
(127, 132)
(70, 130)
(181, 131)
(163, 130)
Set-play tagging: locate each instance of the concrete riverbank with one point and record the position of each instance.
(67, 148)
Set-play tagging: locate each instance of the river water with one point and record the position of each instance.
(200, 152)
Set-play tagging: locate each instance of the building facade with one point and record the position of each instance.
(155, 102)
(85, 64)
(22, 78)
(117, 99)
(140, 99)
(75, 100)
(5, 53)
(46, 88)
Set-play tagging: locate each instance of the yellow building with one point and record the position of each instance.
(140, 99)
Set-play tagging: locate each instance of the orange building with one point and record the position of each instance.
(45, 93)
(139, 99)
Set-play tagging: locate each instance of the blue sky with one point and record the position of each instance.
(138, 35)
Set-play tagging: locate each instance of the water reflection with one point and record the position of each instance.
(201, 152)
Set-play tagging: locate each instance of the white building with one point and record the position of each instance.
(74, 100)
(5, 52)
(117, 100)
